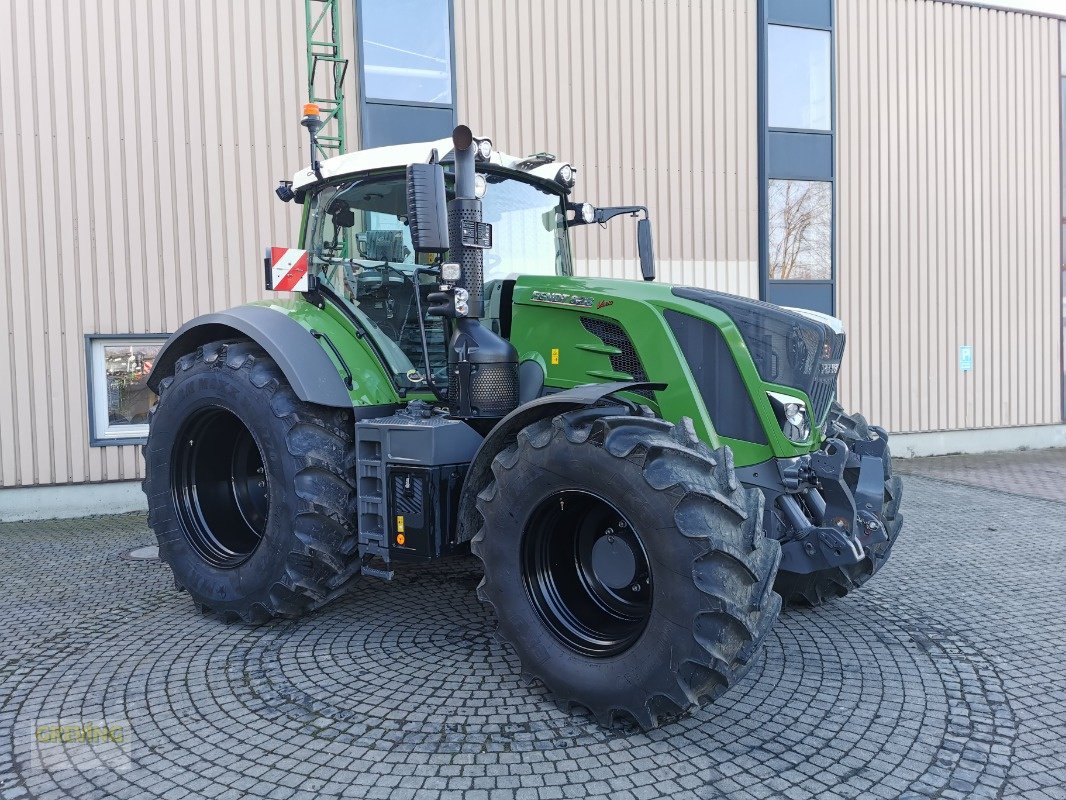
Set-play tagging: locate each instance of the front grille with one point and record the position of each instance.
(717, 377)
(627, 361)
(822, 394)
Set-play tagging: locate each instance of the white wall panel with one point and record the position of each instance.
(139, 150)
(652, 100)
(948, 210)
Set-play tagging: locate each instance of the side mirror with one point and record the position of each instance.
(645, 250)
(427, 208)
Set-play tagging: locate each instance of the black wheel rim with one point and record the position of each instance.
(221, 489)
(587, 573)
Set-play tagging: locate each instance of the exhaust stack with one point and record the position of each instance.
(464, 223)
(482, 366)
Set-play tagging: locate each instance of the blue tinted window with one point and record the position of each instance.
(407, 50)
(798, 78)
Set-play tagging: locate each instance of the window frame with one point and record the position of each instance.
(380, 119)
(773, 142)
(367, 97)
(102, 433)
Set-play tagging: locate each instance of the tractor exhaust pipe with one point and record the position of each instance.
(464, 223)
(482, 366)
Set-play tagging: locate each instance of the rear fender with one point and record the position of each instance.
(310, 371)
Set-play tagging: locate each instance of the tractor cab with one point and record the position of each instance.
(357, 235)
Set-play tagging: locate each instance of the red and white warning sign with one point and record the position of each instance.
(286, 269)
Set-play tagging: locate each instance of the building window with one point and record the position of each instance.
(800, 230)
(119, 397)
(407, 51)
(799, 86)
(797, 265)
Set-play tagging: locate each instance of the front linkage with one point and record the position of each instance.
(834, 511)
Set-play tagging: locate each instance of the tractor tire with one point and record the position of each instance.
(815, 588)
(250, 490)
(625, 564)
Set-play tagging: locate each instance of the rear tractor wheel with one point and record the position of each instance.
(626, 565)
(249, 489)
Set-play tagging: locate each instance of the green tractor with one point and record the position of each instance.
(644, 470)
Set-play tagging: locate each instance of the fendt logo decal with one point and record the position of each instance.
(563, 299)
(288, 270)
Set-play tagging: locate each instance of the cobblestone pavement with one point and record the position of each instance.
(943, 677)
(1033, 473)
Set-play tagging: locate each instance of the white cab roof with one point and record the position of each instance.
(397, 155)
(400, 155)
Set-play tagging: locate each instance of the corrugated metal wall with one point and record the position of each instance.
(141, 142)
(139, 147)
(948, 209)
(652, 100)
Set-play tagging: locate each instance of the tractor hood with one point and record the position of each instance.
(790, 347)
(644, 328)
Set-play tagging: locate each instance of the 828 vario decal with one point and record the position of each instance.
(563, 299)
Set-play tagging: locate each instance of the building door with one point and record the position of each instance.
(797, 254)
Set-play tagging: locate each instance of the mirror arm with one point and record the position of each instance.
(605, 214)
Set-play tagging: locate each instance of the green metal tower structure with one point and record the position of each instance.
(324, 47)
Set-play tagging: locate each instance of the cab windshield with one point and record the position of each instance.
(360, 248)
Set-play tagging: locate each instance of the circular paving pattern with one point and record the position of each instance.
(942, 677)
(402, 687)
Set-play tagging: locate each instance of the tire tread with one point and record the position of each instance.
(740, 606)
(323, 555)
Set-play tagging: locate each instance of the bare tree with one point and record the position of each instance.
(800, 230)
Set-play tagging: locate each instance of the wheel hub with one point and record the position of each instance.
(587, 573)
(613, 562)
(220, 487)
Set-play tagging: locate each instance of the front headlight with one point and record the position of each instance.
(792, 415)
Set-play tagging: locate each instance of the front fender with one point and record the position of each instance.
(313, 376)
(506, 432)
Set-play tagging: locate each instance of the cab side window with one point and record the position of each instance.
(361, 249)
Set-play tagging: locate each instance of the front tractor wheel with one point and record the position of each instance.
(249, 489)
(626, 565)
